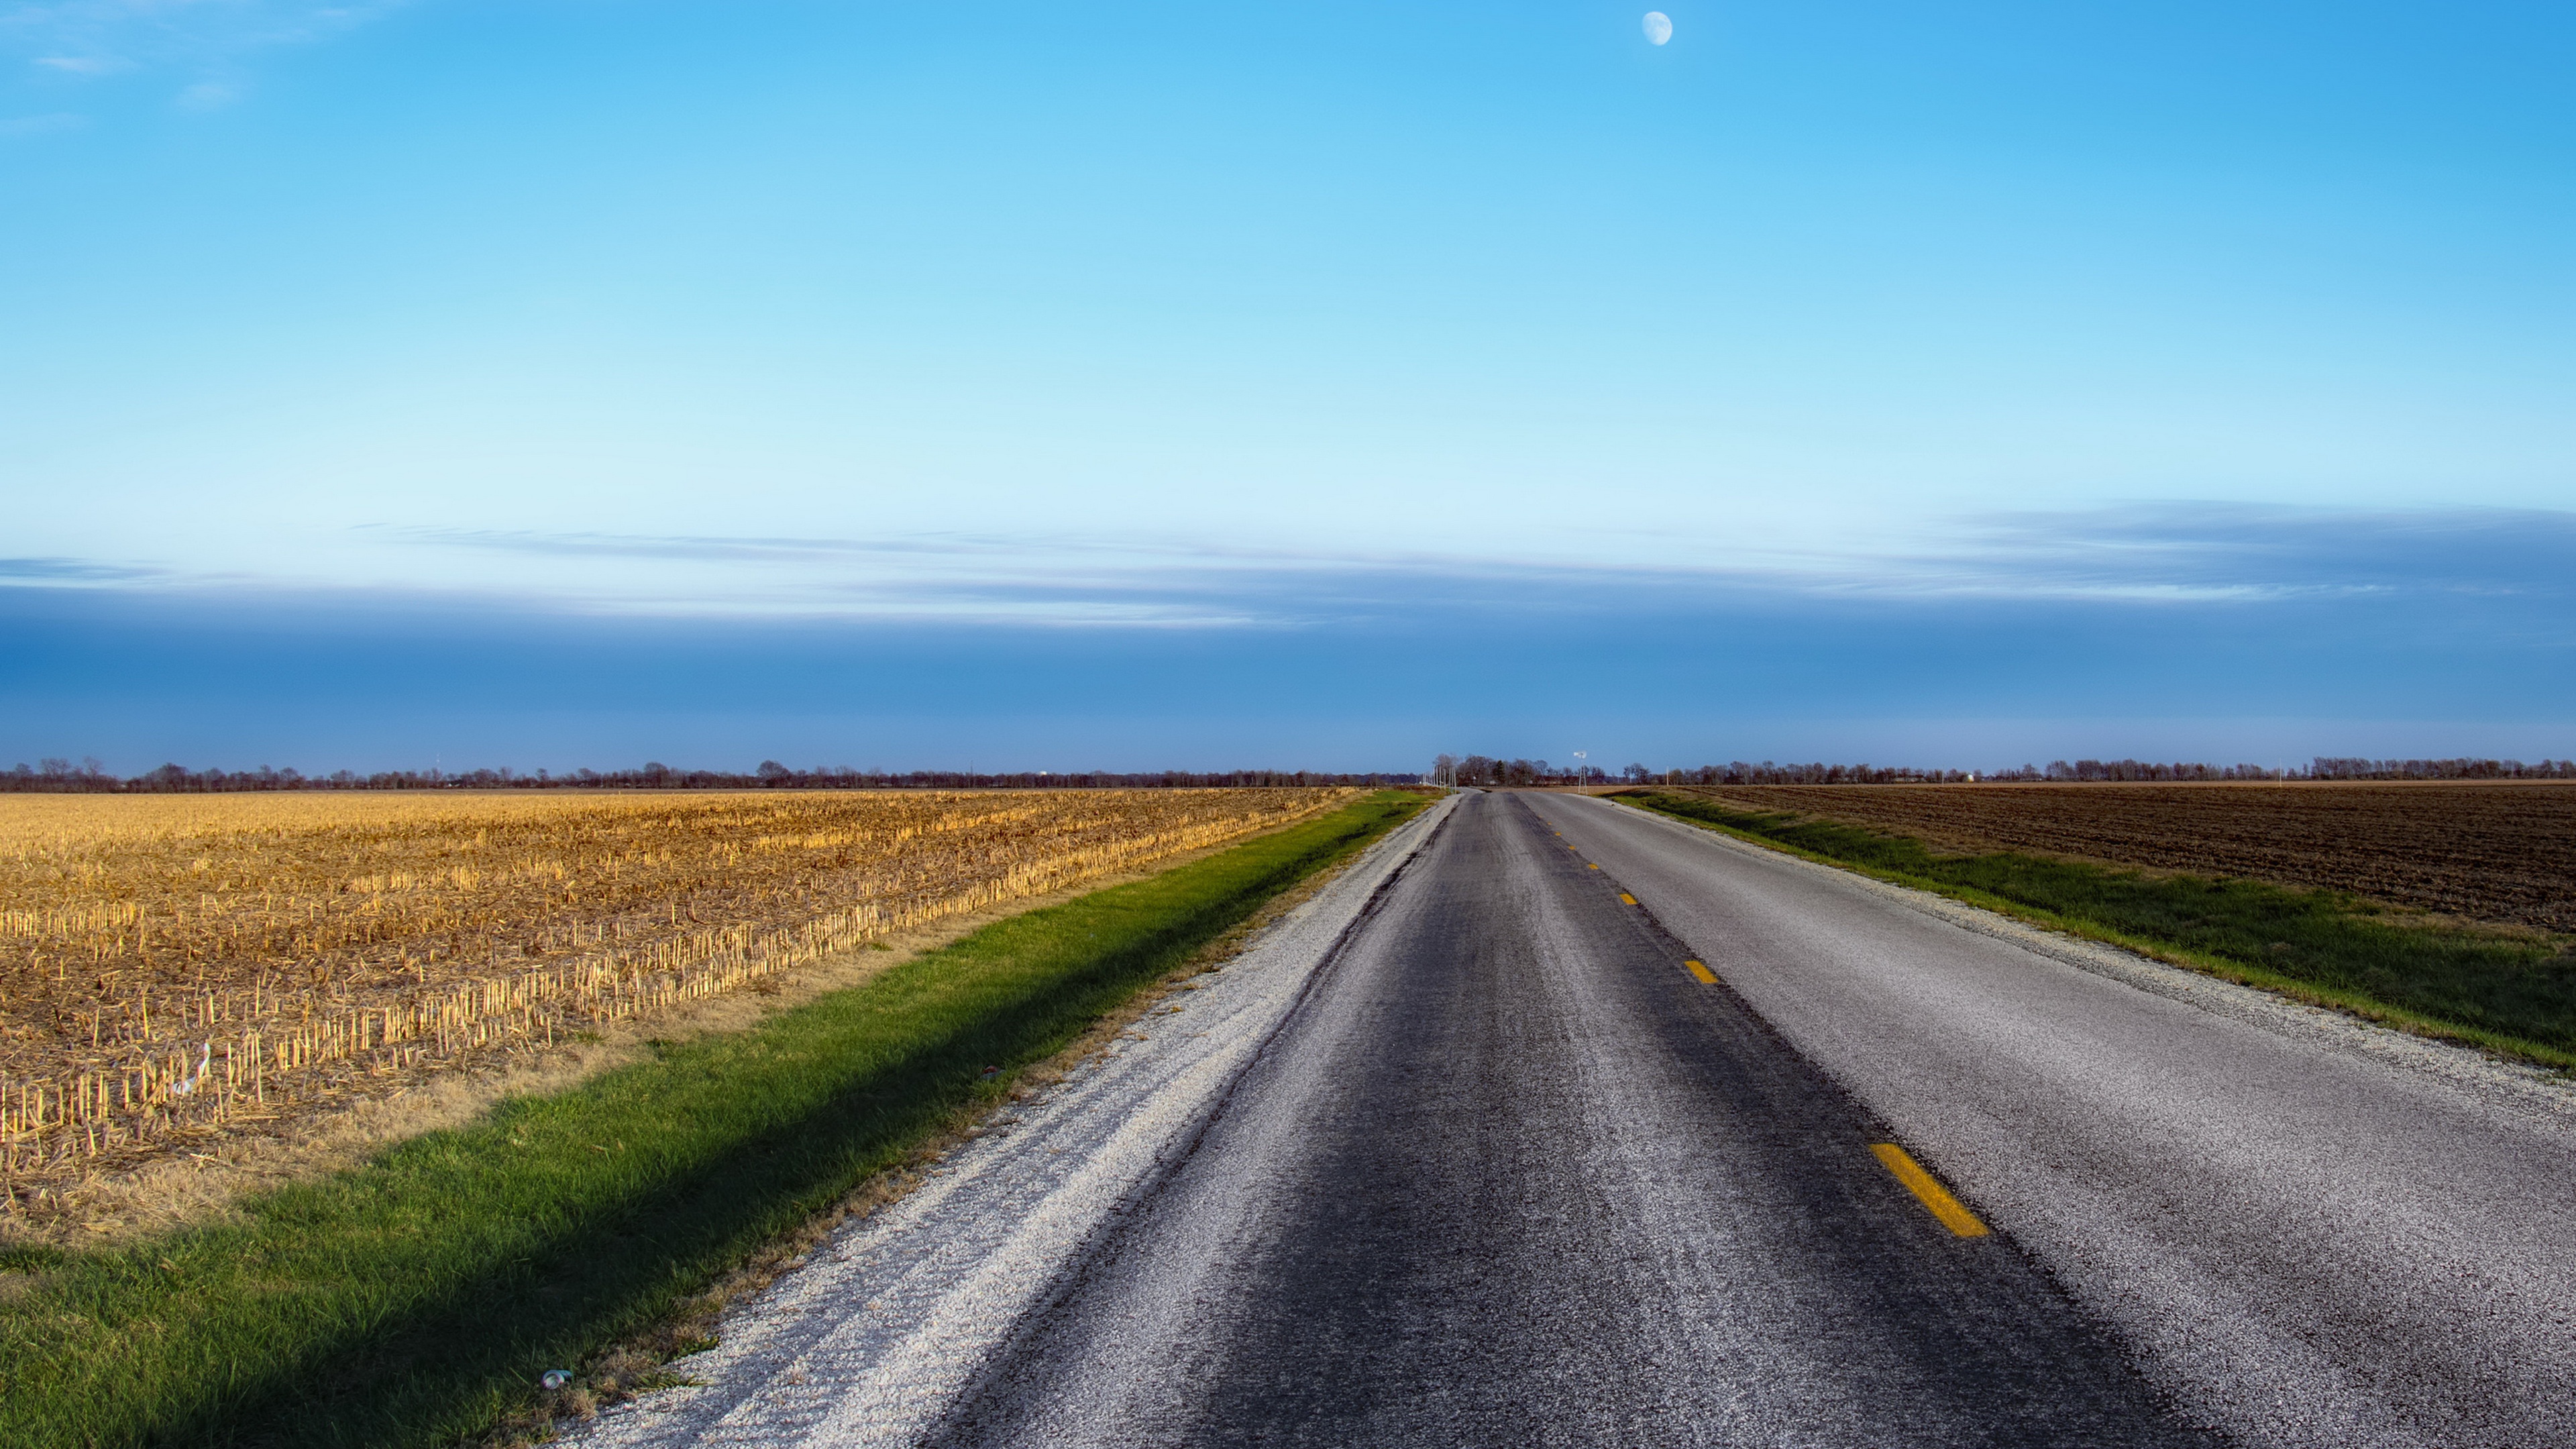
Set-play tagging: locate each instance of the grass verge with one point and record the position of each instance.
(416, 1299)
(2508, 994)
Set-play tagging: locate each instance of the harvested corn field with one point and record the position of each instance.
(2500, 852)
(174, 966)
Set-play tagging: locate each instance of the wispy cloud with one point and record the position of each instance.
(83, 64)
(2515, 565)
(209, 96)
(42, 125)
(1659, 666)
(95, 38)
(2250, 551)
(955, 577)
(2143, 555)
(68, 570)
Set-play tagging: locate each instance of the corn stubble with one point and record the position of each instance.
(175, 967)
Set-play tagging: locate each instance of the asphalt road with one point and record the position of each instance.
(1480, 1159)
(2312, 1232)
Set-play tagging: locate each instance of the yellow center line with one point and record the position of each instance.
(1700, 970)
(1589, 866)
(1626, 899)
(1953, 1214)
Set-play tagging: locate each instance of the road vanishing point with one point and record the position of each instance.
(1552, 1122)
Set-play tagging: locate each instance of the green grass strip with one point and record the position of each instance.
(2509, 994)
(414, 1300)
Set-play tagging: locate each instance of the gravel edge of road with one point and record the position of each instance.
(867, 1342)
(2483, 1078)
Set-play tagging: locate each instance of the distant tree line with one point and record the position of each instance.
(1482, 770)
(1767, 773)
(59, 776)
(2321, 768)
(1485, 770)
(2089, 771)
(2327, 768)
(90, 776)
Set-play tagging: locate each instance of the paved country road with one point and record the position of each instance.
(1467, 1153)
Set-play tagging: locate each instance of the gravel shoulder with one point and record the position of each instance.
(870, 1342)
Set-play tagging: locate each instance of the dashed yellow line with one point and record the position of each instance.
(1953, 1214)
(1700, 970)
(1626, 899)
(1587, 865)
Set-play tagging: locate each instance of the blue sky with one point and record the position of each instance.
(1049, 387)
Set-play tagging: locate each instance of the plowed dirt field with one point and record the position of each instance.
(2502, 852)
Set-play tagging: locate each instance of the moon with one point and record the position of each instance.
(1659, 27)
